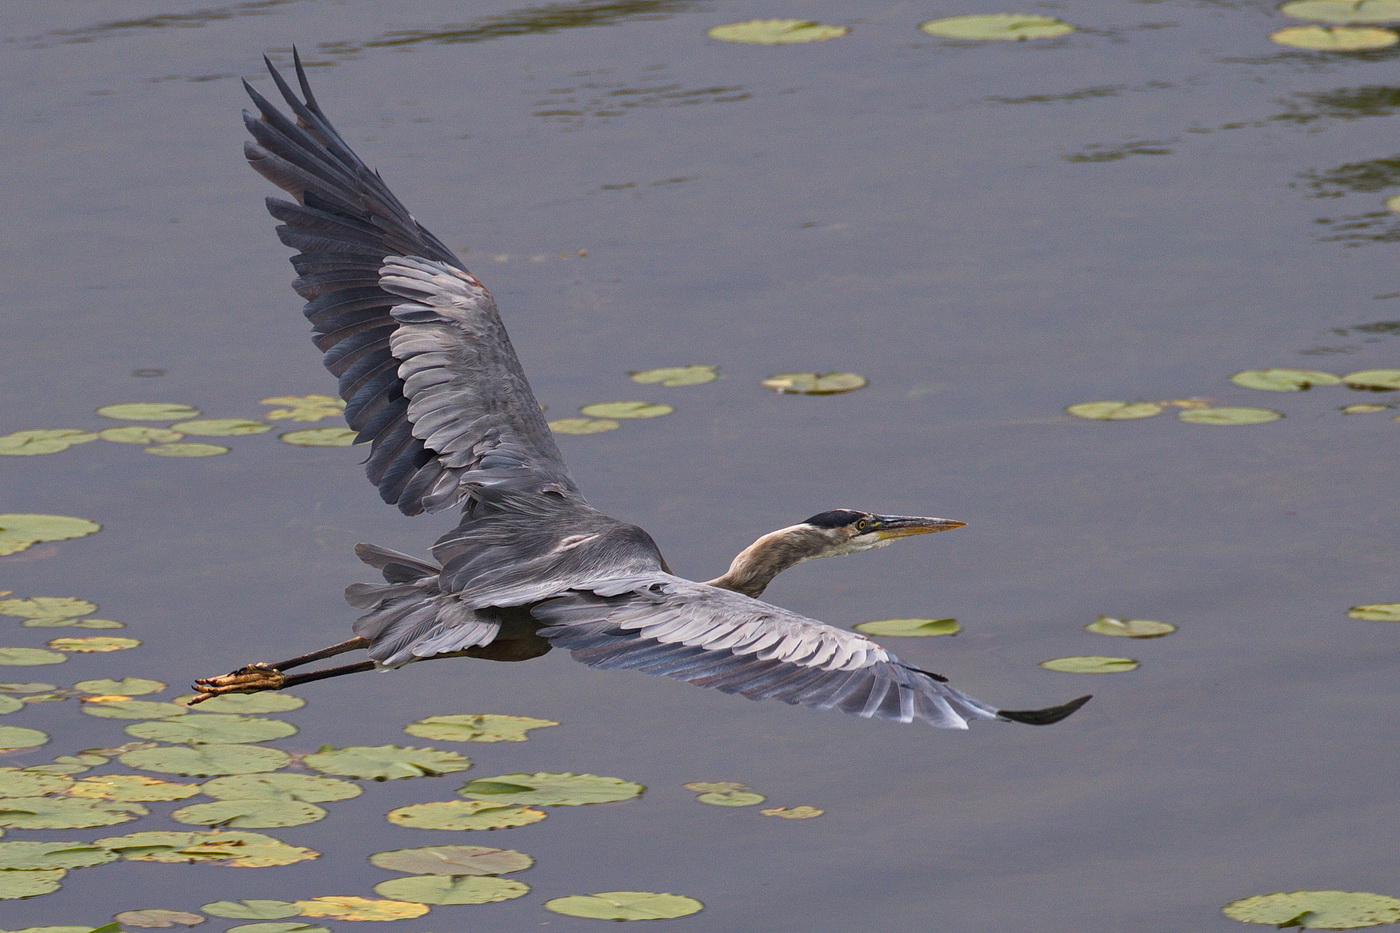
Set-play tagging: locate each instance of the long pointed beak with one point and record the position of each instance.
(902, 526)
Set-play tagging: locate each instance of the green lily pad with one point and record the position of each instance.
(221, 427)
(486, 727)
(109, 707)
(15, 782)
(1376, 612)
(1114, 411)
(775, 32)
(186, 450)
(997, 26)
(1284, 380)
(252, 813)
(1316, 910)
(66, 764)
(1343, 12)
(730, 798)
(909, 628)
(221, 847)
(625, 905)
(157, 918)
(1226, 415)
(361, 908)
(1130, 628)
(89, 622)
(1377, 380)
(308, 788)
(206, 728)
(464, 814)
(443, 889)
(131, 787)
(65, 812)
(94, 644)
(794, 813)
(320, 437)
(10, 705)
(20, 737)
(453, 860)
(48, 441)
(583, 425)
(292, 927)
(386, 762)
(127, 686)
(1090, 664)
(625, 410)
(27, 688)
(18, 884)
(266, 702)
(546, 789)
(1364, 408)
(676, 375)
(252, 910)
(207, 760)
(148, 411)
(1335, 38)
(27, 856)
(303, 407)
(815, 383)
(30, 657)
(139, 434)
(57, 607)
(18, 527)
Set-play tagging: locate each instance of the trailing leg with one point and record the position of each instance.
(263, 676)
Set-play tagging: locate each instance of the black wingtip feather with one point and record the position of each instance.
(1044, 717)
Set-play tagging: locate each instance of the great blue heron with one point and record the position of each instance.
(431, 381)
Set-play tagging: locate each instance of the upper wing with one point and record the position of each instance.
(661, 624)
(426, 369)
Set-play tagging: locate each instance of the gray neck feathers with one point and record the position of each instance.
(770, 555)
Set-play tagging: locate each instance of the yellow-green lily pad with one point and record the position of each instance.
(267, 702)
(155, 918)
(445, 889)
(252, 910)
(625, 410)
(1114, 411)
(9, 704)
(94, 644)
(725, 793)
(1130, 628)
(250, 813)
(65, 812)
(320, 437)
(148, 411)
(88, 622)
(303, 407)
(186, 450)
(386, 762)
(66, 764)
(1376, 612)
(42, 441)
(207, 760)
(29, 856)
(583, 425)
(455, 815)
(484, 727)
(127, 686)
(58, 607)
(20, 737)
(1228, 415)
(16, 527)
(910, 628)
(1377, 380)
(206, 728)
(1284, 380)
(453, 860)
(30, 657)
(15, 782)
(1364, 408)
(794, 813)
(1335, 38)
(131, 787)
(625, 905)
(360, 908)
(308, 788)
(547, 789)
(118, 706)
(139, 434)
(237, 848)
(815, 383)
(18, 884)
(294, 926)
(676, 375)
(997, 26)
(221, 427)
(775, 32)
(1316, 910)
(1343, 12)
(1090, 664)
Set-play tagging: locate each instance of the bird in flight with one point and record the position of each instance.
(432, 383)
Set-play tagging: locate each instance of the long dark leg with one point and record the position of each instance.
(331, 651)
(262, 676)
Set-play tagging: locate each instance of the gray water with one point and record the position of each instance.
(989, 232)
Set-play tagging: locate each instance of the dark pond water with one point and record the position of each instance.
(989, 232)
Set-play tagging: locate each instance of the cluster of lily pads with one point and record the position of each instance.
(1345, 25)
(1198, 411)
(1013, 27)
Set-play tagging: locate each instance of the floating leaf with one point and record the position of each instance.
(252, 910)
(25, 783)
(148, 411)
(31, 528)
(386, 762)
(625, 905)
(1284, 380)
(158, 918)
(1376, 612)
(186, 450)
(1316, 910)
(293, 927)
(27, 856)
(17, 884)
(89, 622)
(1000, 26)
(30, 657)
(204, 728)
(303, 407)
(320, 437)
(221, 427)
(676, 375)
(815, 383)
(32, 443)
(139, 434)
(252, 813)
(625, 410)
(1364, 408)
(908, 628)
(132, 787)
(207, 760)
(453, 860)
(441, 889)
(546, 789)
(65, 812)
(127, 686)
(793, 813)
(1130, 628)
(463, 814)
(1377, 380)
(731, 798)
(1226, 414)
(1343, 11)
(118, 707)
(19, 737)
(775, 32)
(360, 908)
(66, 764)
(1335, 38)
(1090, 664)
(92, 644)
(583, 425)
(60, 607)
(1114, 411)
(10, 705)
(266, 702)
(26, 688)
(309, 788)
(233, 847)
(486, 727)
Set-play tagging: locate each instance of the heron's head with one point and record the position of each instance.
(846, 531)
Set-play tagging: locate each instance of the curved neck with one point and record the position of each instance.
(770, 555)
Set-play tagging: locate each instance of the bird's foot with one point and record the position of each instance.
(251, 679)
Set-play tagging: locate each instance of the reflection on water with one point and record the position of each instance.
(190, 20)
(601, 99)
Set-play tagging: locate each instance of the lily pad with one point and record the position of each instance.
(1284, 380)
(453, 860)
(92, 645)
(1343, 11)
(320, 437)
(546, 789)
(775, 32)
(1377, 380)
(910, 628)
(731, 798)
(252, 910)
(131, 787)
(1316, 910)
(27, 688)
(205, 728)
(485, 727)
(625, 410)
(1335, 38)
(793, 813)
(583, 425)
(1364, 408)
(360, 908)
(1226, 415)
(39, 607)
(1114, 411)
(18, 527)
(815, 383)
(30, 657)
(303, 407)
(309, 788)
(119, 707)
(18, 884)
(46, 441)
(89, 622)
(1090, 664)
(443, 889)
(625, 905)
(127, 686)
(66, 764)
(15, 782)
(266, 702)
(9, 704)
(676, 375)
(464, 814)
(65, 812)
(20, 737)
(207, 760)
(386, 762)
(157, 918)
(27, 856)
(186, 450)
(139, 434)
(997, 26)
(233, 847)
(292, 927)
(1376, 612)
(1130, 628)
(251, 813)
(148, 411)
(221, 427)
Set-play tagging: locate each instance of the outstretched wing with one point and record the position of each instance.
(427, 372)
(661, 624)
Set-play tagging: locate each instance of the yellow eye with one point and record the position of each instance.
(860, 525)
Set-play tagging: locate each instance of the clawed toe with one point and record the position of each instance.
(250, 679)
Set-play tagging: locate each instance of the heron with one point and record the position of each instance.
(432, 383)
